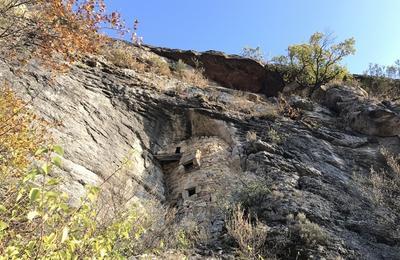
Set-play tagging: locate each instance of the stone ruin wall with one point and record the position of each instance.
(201, 191)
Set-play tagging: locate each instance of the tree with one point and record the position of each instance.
(381, 71)
(253, 53)
(43, 29)
(391, 71)
(318, 61)
(375, 70)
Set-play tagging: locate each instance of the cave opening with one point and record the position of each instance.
(191, 191)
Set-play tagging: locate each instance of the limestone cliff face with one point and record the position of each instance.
(311, 165)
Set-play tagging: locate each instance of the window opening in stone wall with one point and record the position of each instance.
(189, 166)
(191, 191)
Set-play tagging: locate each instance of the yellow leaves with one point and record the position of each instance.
(3, 225)
(64, 28)
(21, 134)
(35, 217)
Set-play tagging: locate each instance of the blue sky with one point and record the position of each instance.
(229, 25)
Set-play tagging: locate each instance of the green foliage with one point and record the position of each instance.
(316, 62)
(253, 193)
(380, 87)
(308, 232)
(274, 136)
(382, 82)
(37, 222)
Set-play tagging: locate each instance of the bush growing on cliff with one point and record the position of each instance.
(310, 233)
(380, 71)
(249, 236)
(316, 62)
(41, 29)
(37, 220)
(124, 58)
(382, 82)
(253, 53)
(190, 75)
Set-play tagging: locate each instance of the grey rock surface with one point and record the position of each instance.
(362, 115)
(108, 114)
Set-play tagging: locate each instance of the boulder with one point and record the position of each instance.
(230, 71)
(360, 113)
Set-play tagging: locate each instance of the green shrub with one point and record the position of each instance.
(310, 233)
(253, 193)
(36, 219)
(274, 136)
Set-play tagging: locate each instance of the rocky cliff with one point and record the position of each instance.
(315, 168)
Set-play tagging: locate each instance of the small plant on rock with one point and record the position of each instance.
(253, 193)
(309, 232)
(190, 75)
(287, 110)
(123, 58)
(251, 136)
(179, 67)
(250, 236)
(159, 66)
(274, 136)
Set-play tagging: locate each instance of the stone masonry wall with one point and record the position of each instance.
(200, 193)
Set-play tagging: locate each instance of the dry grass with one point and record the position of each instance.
(194, 76)
(348, 81)
(168, 234)
(125, 59)
(249, 237)
(251, 104)
(287, 110)
(266, 111)
(159, 66)
(251, 136)
(383, 186)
